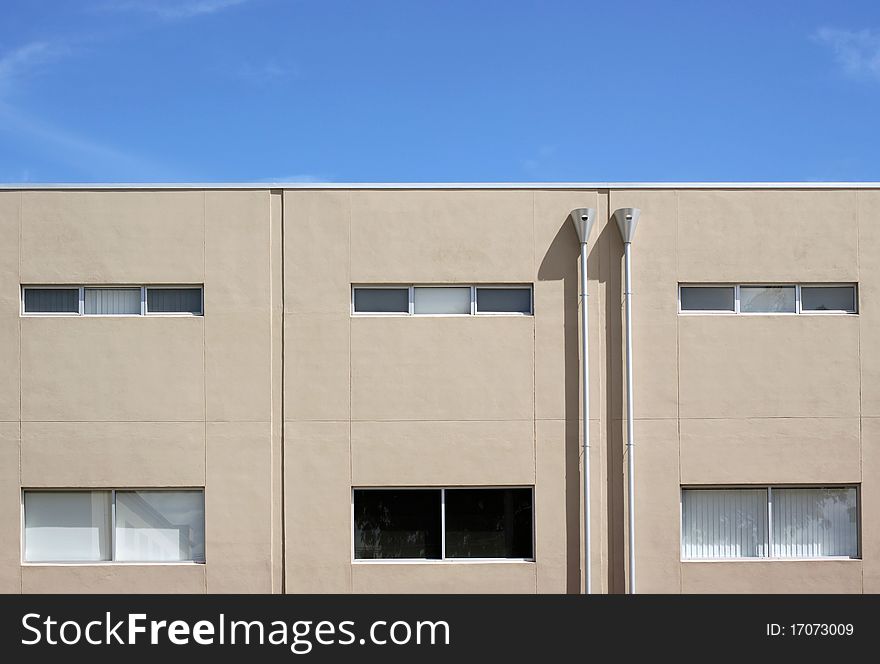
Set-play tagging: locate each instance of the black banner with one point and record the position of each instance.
(431, 628)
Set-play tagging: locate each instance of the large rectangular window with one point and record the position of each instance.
(102, 526)
(769, 522)
(443, 524)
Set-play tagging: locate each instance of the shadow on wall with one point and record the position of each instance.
(561, 263)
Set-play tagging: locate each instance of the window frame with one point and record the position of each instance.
(442, 560)
(112, 561)
(768, 488)
(411, 298)
(799, 311)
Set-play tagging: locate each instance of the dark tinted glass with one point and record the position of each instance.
(488, 523)
(174, 300)
(51, 300)
(504, 300)
(707, 298)
(828, 298)
(396, 523)
(381, 300)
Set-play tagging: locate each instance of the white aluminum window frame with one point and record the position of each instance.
(145, 309)
(82, 289)
(112, 561)
(442, 560)
(769, 534)
(411, 298)
(798, 309)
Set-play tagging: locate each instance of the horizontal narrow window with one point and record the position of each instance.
(488, 523)
(174, 301)
(810, 522)
(708, 298)
(51, 300)
(381, 300)
(474, 523)
(504, 300)
(396, 523)
(442, 300)
(768, 299)
(103, 526)
(112, 301)
(828, 298)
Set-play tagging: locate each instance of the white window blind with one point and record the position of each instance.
(814, 523)
(112, 301)
(69, 526)
(724, 523)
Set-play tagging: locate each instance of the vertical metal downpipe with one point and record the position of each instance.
(585, 372)
(630, 446)
(583, 219)
(627, 219)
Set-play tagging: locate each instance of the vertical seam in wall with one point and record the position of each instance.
(350, 417)
(283, 441)
(678, 381)
(535, 392)
(859, 348)
(204, 350)
(20, 413)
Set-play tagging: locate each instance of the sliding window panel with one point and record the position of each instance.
(489, 523)
(112, 301)
(160, 526)
(723, 523)
(51, 300)
(828, 298)
(504, 300)
(815, 523)
(174, 301)
(381, 300)
(768, 299)
(708, 298)
(66, 526)
(397, 523)
(442, 300)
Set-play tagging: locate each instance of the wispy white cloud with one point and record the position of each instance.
(171, 10)
(83, 155)
(856, 51)
(22, 62)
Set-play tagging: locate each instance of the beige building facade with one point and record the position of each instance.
(283, 400)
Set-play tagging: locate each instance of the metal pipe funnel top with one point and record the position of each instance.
(627, 219)
(583, 219)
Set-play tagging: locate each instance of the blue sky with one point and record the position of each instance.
(409, 90)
